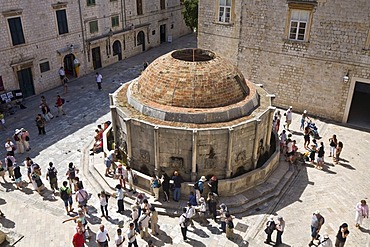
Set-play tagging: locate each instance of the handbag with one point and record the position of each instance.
(27, 138)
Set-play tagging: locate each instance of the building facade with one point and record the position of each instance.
(312, 54)
(40, 37)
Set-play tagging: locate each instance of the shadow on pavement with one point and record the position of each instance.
(7, 223)
(163, 239)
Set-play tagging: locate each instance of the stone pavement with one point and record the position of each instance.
(334, 190)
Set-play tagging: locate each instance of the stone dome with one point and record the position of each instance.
(192, 78)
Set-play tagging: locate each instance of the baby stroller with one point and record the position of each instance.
(314, 132)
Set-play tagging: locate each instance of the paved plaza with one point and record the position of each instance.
(36, 220)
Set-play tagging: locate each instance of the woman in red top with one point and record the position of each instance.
(59, 105)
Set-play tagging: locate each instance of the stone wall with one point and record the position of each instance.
(307, 75)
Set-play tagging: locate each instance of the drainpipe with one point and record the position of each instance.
(194, 157)
(156, 151)
(83, 33)
(123, 13)
(229, 169)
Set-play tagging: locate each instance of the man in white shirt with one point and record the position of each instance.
(102, 237)
(183, 225)
(144, 222)
(131, 236)
(61, 73)
(99, 78)
(119, 239)
(288, 118)
(190, 213)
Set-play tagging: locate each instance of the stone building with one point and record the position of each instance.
(312, 54)
(192, 111)
(40, 37)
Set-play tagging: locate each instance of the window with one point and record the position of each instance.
(139, 7)
(224, 11)
(62, 21)
(16, 30)
(298, 24)
(44, 67)
(163, 4)
(93, 26)
(90, 2)
(115, 21)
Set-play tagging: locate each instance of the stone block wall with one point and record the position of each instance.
(307, 75)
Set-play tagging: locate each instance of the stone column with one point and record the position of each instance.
(156, 150)
(229, 169)
(194, 156)
(256, 142)
(269, 128)
(113, 111)
(128, 138)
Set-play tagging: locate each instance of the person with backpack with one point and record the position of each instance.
(40, 123)
(59, 104)
(66, 195)
(36, 178)
(184, 221)
(82, 197)
(270, 228)
(190, 213)
(9, 165)
(316, 223)
(199, 187)
(71, 173)
(51, 175)
(155, 184)
(9, 146)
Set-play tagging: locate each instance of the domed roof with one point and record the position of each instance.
(192, 78)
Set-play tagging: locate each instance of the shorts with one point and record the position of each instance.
(108, 163)
(288, 122)
(18, 180)
(82, 203)
(306, 138)
(290, 154)
(69, 200)
(313, 232)
(320, 159)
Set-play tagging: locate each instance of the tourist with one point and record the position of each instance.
(213, 185)
(145, 65)
(135, 217)
(306, 137)
(59, 104)
(47, 108)
(102, 237)
(320, 156)
(131, 236)
(304, 118)
(120, 194)
(143, 222)
(183, 224)
(78, 239)
(9, 146)
(103, 199)
(71, 173)
(362, 211)
(82, 197)
(212, 205)
(66, 195)
(316, 223)
(52, 176)
(40, 123)
(202, 208)
(131, 177)
(313, 151)
(338, 151)
(222, 211)
(27, 164)
(325, 241)
(282, 141)
(118, 238)
(36, 178)
(229, 226)
(190, 213)
(145, 205)
(199, 187)
(65, 84)
(2, 121)
(154, 221)
(270, 227)
(332, 145)
(280, 230)
(9, 164)
(166, 187)
(17, 176)
(61, 73)
(109, 161)
(120, 174)
(155, 185)
(99, 79)
(25, 138)
(18, 141)
(289, 151)
(2, 171)
(192, 199)
(288, 118)
(177, 180)
(342, 235)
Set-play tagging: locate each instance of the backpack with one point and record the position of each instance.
(321, 219)
(10, 162)
(187, 221)
(52, 172)
(72, 173)
(196, 186)
(64, 194)
(63, 100)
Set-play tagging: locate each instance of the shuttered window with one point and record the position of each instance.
(62, 21)
(16, 30)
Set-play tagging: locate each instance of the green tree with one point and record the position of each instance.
(190, 13)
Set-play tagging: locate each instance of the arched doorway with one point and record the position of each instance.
(68, 65)
(117, 49)
(141, 39)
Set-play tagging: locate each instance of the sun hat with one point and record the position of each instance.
(203, 179)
